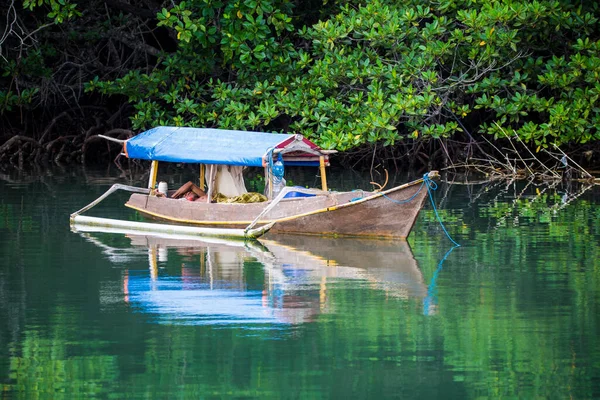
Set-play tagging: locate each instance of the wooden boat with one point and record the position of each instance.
(388, 213)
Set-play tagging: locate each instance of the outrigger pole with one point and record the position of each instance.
(77, 219)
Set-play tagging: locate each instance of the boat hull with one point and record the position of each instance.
(389, 214)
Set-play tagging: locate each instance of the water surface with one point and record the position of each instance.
(513, 312)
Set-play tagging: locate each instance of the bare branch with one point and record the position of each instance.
(128, 8)
(133, 43)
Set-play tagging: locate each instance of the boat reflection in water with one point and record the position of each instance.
(278, 280)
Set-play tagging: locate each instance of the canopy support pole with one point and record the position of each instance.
(323, 176)
(201, 176)
(153, 173)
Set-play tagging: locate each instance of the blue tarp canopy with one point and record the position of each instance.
(207, 146)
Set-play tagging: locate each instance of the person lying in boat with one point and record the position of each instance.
(228, 188)
(190, 192)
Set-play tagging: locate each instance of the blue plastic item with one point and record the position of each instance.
(278, 169)
(298, 194)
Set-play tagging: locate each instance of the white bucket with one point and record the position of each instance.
(163, 187)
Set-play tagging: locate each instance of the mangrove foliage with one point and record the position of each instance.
(425, 82)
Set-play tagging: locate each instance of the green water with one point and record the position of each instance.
(512, 313)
